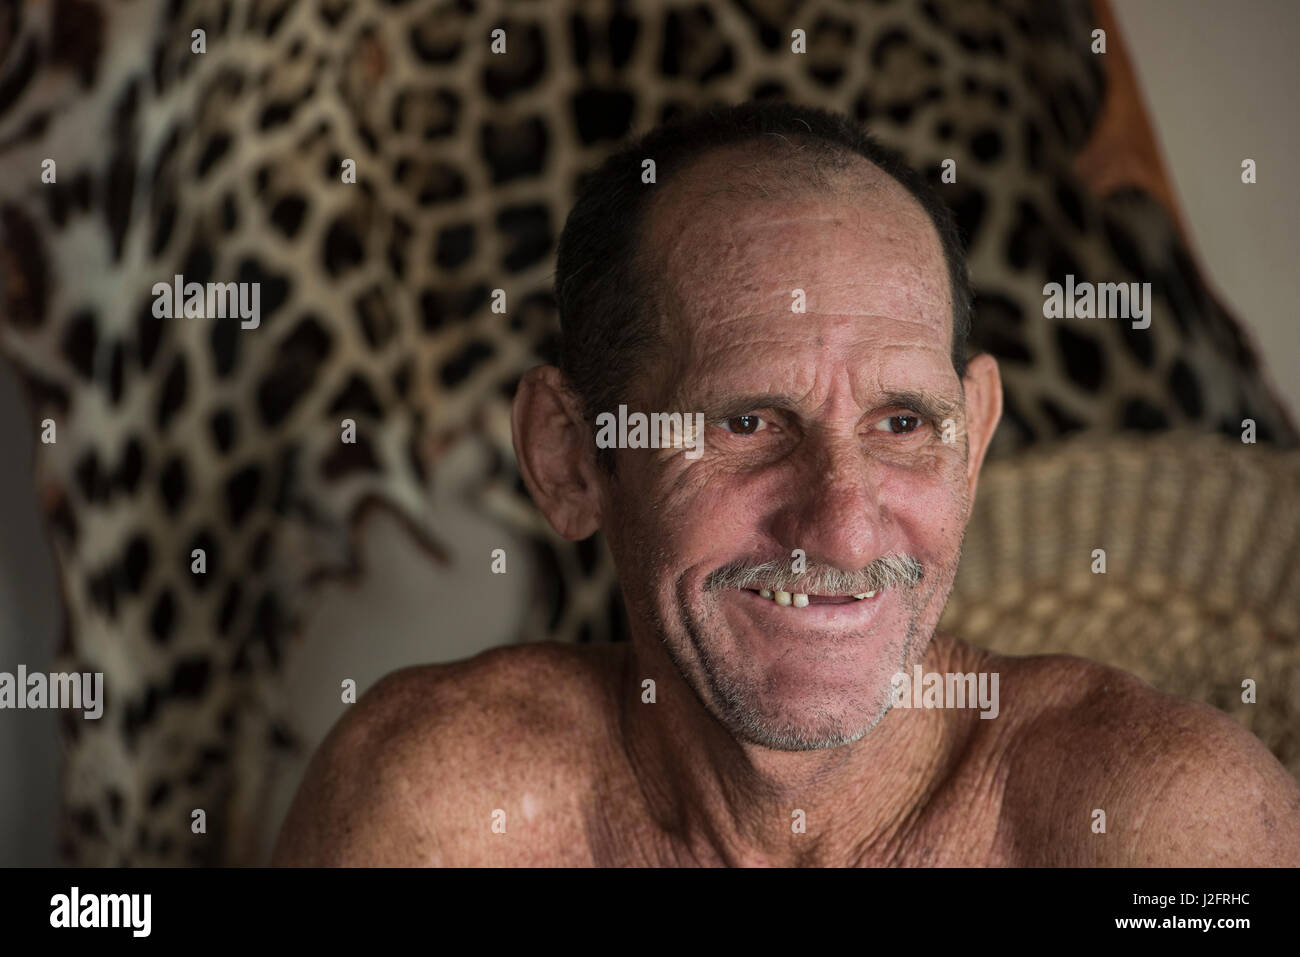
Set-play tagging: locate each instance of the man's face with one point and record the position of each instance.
(824, 433)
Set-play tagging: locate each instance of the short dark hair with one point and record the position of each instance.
(608, 320)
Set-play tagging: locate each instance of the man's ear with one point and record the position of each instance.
(555, 457)
(983, 387)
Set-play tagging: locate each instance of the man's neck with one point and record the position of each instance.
(718, 800)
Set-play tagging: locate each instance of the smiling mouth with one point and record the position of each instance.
(801, 600)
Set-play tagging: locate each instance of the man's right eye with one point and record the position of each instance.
(744, 424)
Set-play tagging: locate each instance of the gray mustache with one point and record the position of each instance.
(887, 571)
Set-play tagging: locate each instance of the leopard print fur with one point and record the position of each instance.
(225, 165)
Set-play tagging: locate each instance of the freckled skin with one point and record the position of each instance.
(588, 772)
(822, 474)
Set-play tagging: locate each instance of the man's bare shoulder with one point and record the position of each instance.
(1099, 767)
(434, 761)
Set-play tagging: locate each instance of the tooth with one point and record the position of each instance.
(800, 600)
(782, 597)
(766, 593)
(865, 594)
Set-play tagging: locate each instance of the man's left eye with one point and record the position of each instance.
(743, 424)
(900, 424)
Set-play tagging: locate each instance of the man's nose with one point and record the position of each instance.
(833, 508)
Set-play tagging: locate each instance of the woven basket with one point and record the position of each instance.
(1202, 583)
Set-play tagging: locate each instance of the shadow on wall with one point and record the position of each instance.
(30, 622)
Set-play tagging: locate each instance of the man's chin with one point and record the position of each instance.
(798, 736)
(811, 730)
(809, 697)
(789, 682)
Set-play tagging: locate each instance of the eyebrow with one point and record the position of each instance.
(729, 404)
(930, 405)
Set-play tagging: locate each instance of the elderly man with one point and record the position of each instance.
(776, 271)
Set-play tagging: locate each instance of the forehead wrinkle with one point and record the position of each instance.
(867, 365)
(709, 345)
(856, 261)
(714, 308)
(865, 214)
(700, 296)
(718, 383)
(701, 277)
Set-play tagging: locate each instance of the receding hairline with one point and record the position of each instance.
(843, 177)
(761, 167)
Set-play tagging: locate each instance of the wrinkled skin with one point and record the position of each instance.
(824, 433)
(827, 468)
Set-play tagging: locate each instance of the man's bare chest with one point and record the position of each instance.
(963, 826)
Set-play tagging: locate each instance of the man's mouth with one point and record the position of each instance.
(800, 600)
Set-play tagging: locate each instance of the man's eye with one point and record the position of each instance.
(744, 424)
(900, 424)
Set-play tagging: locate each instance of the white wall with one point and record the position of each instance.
(1221, 80)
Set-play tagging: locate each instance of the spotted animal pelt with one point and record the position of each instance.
(183, 434)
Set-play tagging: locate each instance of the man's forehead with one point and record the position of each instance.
(730, 381)
(708, 240)
(813, 267)
(841, 286)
